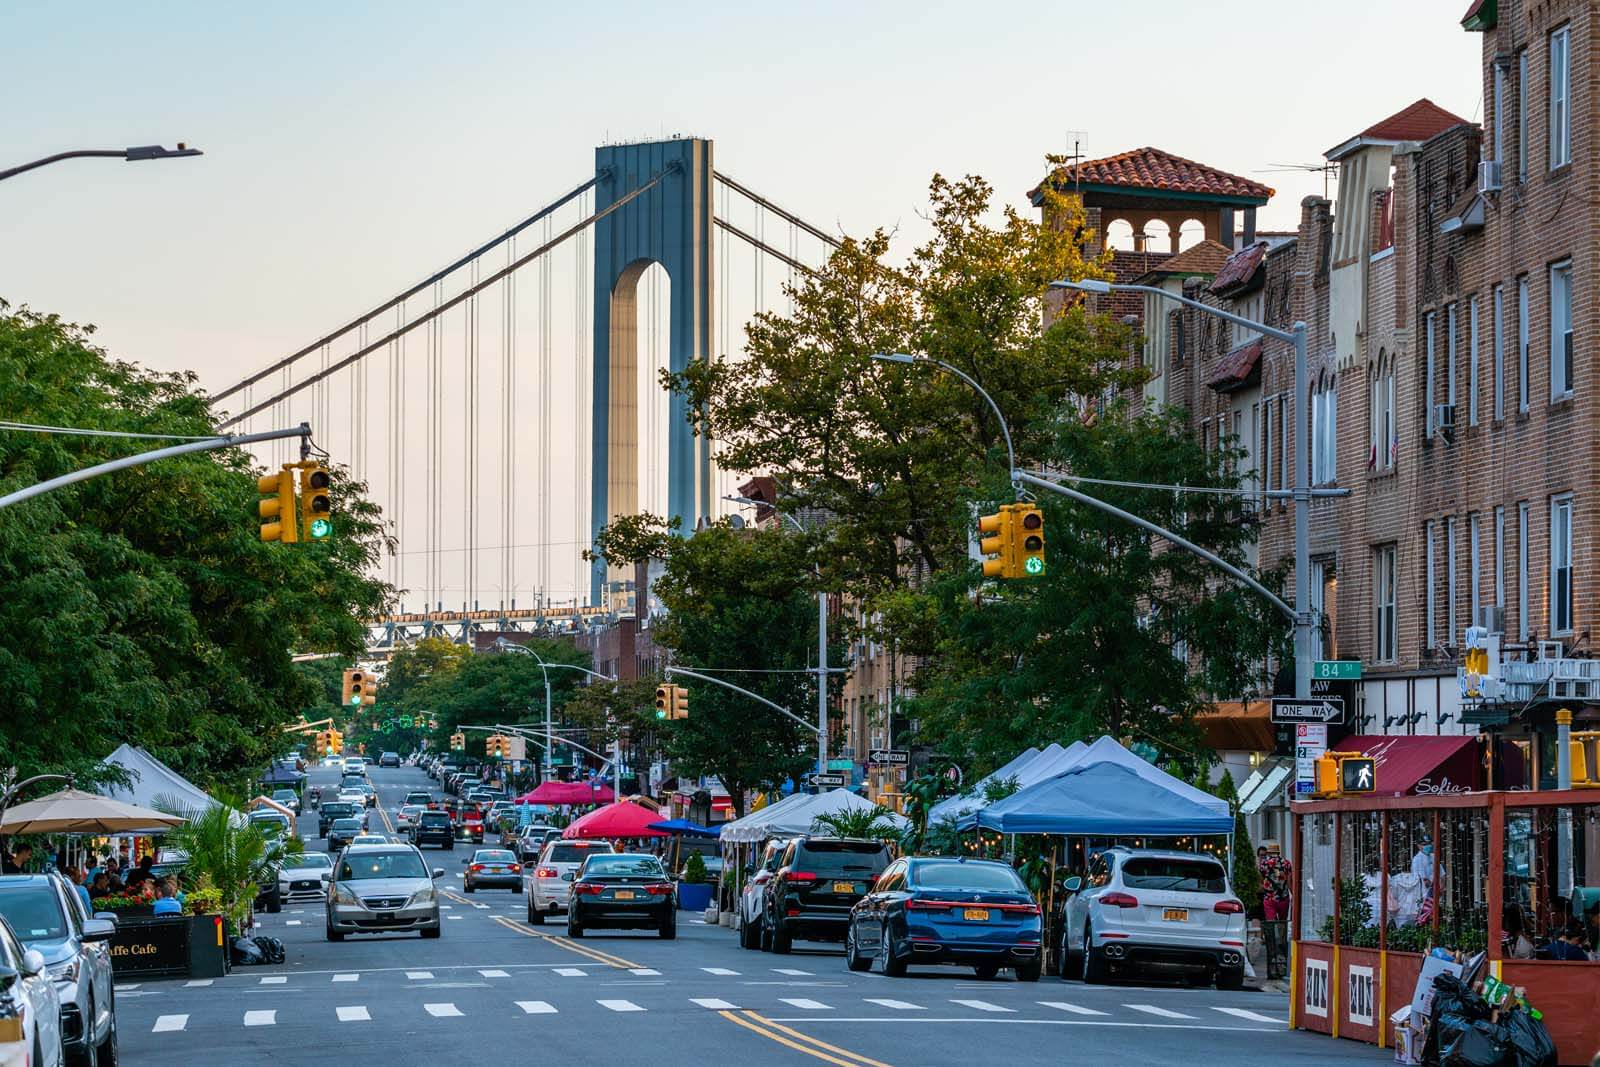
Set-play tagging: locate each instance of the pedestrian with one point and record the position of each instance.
(100, 886)
(78, 887)
(1276, 880)
(17, 862)
(166, 903)
(1422, 864)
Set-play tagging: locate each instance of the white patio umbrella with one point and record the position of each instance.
(73, 811)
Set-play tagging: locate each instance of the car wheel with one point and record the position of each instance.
(275, 902)
(852, 952)
(430, 932)
(1230, 978)
(1094, 968)
(574, 929)
(1030, 971)
(893, 965)
(535, 915)
(89, 1054)
(1068, 963)
(986, 971)
(466, 886)
(782, 940)
(766, 935)
(669, 930)
(750, 935)
(334, 935)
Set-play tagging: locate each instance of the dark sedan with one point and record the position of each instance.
(622, 891)
(496, 868)
(343, 831)
(931, 909)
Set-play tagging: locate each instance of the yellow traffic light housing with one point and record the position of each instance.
(458, 742)
(680, 702)
(351, 679)
(1029, 551)
(672, 702)
(369, 690)
(999, 544)
(277, 510)
(1344, 773)
(664, 701)
(316, 502)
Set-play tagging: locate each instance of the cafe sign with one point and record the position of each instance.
(150, 945)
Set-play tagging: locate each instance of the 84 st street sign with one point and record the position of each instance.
(1328, 710)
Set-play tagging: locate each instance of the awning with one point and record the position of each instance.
(1264, 786)
(1421, 765)
(1237, 726)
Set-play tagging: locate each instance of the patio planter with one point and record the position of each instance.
(693, 896)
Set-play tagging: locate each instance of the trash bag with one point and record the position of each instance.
(1455, 1009)
(1478, 1043)
(246, 953)
(271, 949)
(1531, 1045)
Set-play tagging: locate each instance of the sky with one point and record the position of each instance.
(352, 148)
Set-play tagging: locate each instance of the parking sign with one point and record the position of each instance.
(1310, 742)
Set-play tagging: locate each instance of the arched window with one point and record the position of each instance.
(1119, 235)
(1383, 442)
(1324, 430)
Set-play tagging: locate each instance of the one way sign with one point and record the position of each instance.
(1320, 709)
(893, 757)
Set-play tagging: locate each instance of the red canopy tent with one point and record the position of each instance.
(621, 819)
(567, 793)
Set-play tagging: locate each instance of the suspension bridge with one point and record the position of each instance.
(507, 405)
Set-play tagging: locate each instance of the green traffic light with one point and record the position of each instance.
(355, 699)
(321, 529)
(1033, 565)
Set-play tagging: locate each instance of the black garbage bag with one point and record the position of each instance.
(246, 953)
(271, 949)
(1455, 1009)
(1531, 1045)
(1478, 1043)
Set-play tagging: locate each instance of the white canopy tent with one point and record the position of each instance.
(797, 818)
(749, 827)
(154, 784)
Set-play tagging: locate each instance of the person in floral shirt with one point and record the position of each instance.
(1276, 880)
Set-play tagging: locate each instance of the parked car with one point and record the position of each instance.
(551, 888)
(389, 759)
(531, 840)
(753, 897)
(933, 909)
(433, 828)
(382, 887)
(492, 867)
(288, 798)
(344, 831)
(1145, 909)
(47, 916)
(622, 891)
(303, 877)
(336, 809)
(818, 881)
(26, 992)
(275, 823)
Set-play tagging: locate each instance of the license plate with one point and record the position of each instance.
(624, 894)
(976, 915)
(497, 870)
(386, 916)
(1176, 915)
(844, 887)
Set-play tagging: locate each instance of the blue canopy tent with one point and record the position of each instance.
(1099, 800)
(686, 828)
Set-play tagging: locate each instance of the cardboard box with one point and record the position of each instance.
(1422, 995)
(1408, 1038)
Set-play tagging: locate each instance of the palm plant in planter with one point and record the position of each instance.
(872, 823)
(227, 853)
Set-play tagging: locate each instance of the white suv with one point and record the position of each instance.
(550, 883)
(1145, 909)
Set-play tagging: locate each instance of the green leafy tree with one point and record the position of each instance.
(431, 657)
(505, 688)
(142, 606)
(226, 852)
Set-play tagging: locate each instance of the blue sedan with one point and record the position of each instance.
(935, 909)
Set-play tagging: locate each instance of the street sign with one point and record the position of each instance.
(826, 781)
(1357, 774)
(893, 757)
(1337, 669)
(1319, 709)
(1310, 742)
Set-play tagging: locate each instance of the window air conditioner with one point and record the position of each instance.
(1444, 420)
(1489, 176)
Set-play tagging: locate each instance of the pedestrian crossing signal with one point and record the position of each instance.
(1357, 774)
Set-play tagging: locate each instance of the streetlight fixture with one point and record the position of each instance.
(544, 668)
(132, 155)
(1304, 618)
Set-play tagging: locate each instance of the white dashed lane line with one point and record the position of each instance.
(261, 1018)
(984, 1005)
(619, 1005)
(442, 1011)
(166, 1024)
(536, 1007)
(354, 1014)
(1071, 1009)
(1160, 1013)
(1255, 1017)
(897, 1005)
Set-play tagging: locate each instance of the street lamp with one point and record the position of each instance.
(134, 154)
(1304, 618)
(822, 641)
(544, 668)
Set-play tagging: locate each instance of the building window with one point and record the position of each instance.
(1450, 355)
(1499, 354)
(1560, 97)
(1381, 442)
(1451, 630)
(1283, 438)
(1499, 113)
(1430, 586)
(1324, 431)
(1522, 571)
(1386, 631)
(1472, 361)
(1430, 329)
(1522, 115)
(1500, 558)
(1561, 330)
(1561, 564)
(1522, 343)
(1474, 571)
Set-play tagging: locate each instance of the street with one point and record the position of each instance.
(491, 976)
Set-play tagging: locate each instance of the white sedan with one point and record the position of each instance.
(30, 1007)
(406, 815)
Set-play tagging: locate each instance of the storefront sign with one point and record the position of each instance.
(151, 945)
(1311, 741)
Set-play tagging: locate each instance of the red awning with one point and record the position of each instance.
(1237, 369)
(1420, 766)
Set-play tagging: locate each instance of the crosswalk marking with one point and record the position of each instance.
(1255, 1017)
(643, 972)
(982, 1005)
(124, 988)
(536, 1007)
(805, 1005)
(1161, 1013)
(619, 1005)
(897, 1005)
(790, 970)
(713, 1004)
(494, 974)
(354, 1014)
(166, 1024)
(292, 922)
(261, 1018)
(571, 972)
(198, 983)
(718, 970)
(442, 1011)
(452, 916)
(347, 978)
(1075, 1009)
(277, 979)
(446, 907)
(418, 976)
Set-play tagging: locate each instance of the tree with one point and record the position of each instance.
(142, 606)
(499, 688)
(875, 822)
(1246, 875)
(431, 657)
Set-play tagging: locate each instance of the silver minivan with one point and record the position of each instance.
(48, 916)
(377, 888)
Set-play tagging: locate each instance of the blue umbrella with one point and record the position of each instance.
(686, 828)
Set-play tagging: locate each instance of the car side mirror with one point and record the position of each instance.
(438, 872)
(107, 916)
(1073, 884)
(463, 863)
(98, 930)
(32, 963)
(569, 876)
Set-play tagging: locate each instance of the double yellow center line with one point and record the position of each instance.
(562, 942)
(794, 1039)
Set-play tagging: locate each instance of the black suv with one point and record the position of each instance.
(818, 881)
(433, 827)
(334, 809)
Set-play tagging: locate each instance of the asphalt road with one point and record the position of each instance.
(493, 986)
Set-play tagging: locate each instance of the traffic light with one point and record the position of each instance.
(277, 510)
(316, 505)
(319, 743)
(1000, 544)
(1029, 554)
(458, 742)
(335, 742)
(351, 681)
(360, 689)
(369, 689)
(672, 702)
(1342, 773)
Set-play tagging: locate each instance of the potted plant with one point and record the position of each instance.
(694, 886)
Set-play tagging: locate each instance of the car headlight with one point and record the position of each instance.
(421, 896)
(66, 971)
(341, 895)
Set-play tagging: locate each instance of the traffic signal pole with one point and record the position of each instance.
(821, 731)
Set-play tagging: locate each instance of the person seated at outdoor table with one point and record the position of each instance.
(166, 903)
(1518, 946)
(173, 889)
(141, 873)
(1564, 946)
(77, 876)
(17, 862)
(100, 887)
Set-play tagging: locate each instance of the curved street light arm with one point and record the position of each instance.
(1005, 430)
(740, 689)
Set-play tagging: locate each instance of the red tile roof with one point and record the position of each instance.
(1151, 168)
(1418, 122)
(1206, 257)
(1240, 267)
(1236, 367)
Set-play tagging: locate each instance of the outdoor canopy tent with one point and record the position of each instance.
(751, 827)
(971, 799)
(622, 819)
(686, 828)
(1103, 799)
(154, 784)
(787, 819)
(553, 792)
(72, 811)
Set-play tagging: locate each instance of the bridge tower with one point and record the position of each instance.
(670, 224)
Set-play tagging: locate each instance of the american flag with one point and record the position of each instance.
(1425, 911)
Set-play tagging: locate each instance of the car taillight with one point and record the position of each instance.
(1119, 900)
(547, 872)
(476, 867)
(1228, 907)
(1024, 909)
(658, 890)
(928, 905)
(584, 890)
(516, 868)
(801, 876)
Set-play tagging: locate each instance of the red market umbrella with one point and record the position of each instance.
(621, 819)
(567, 793)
